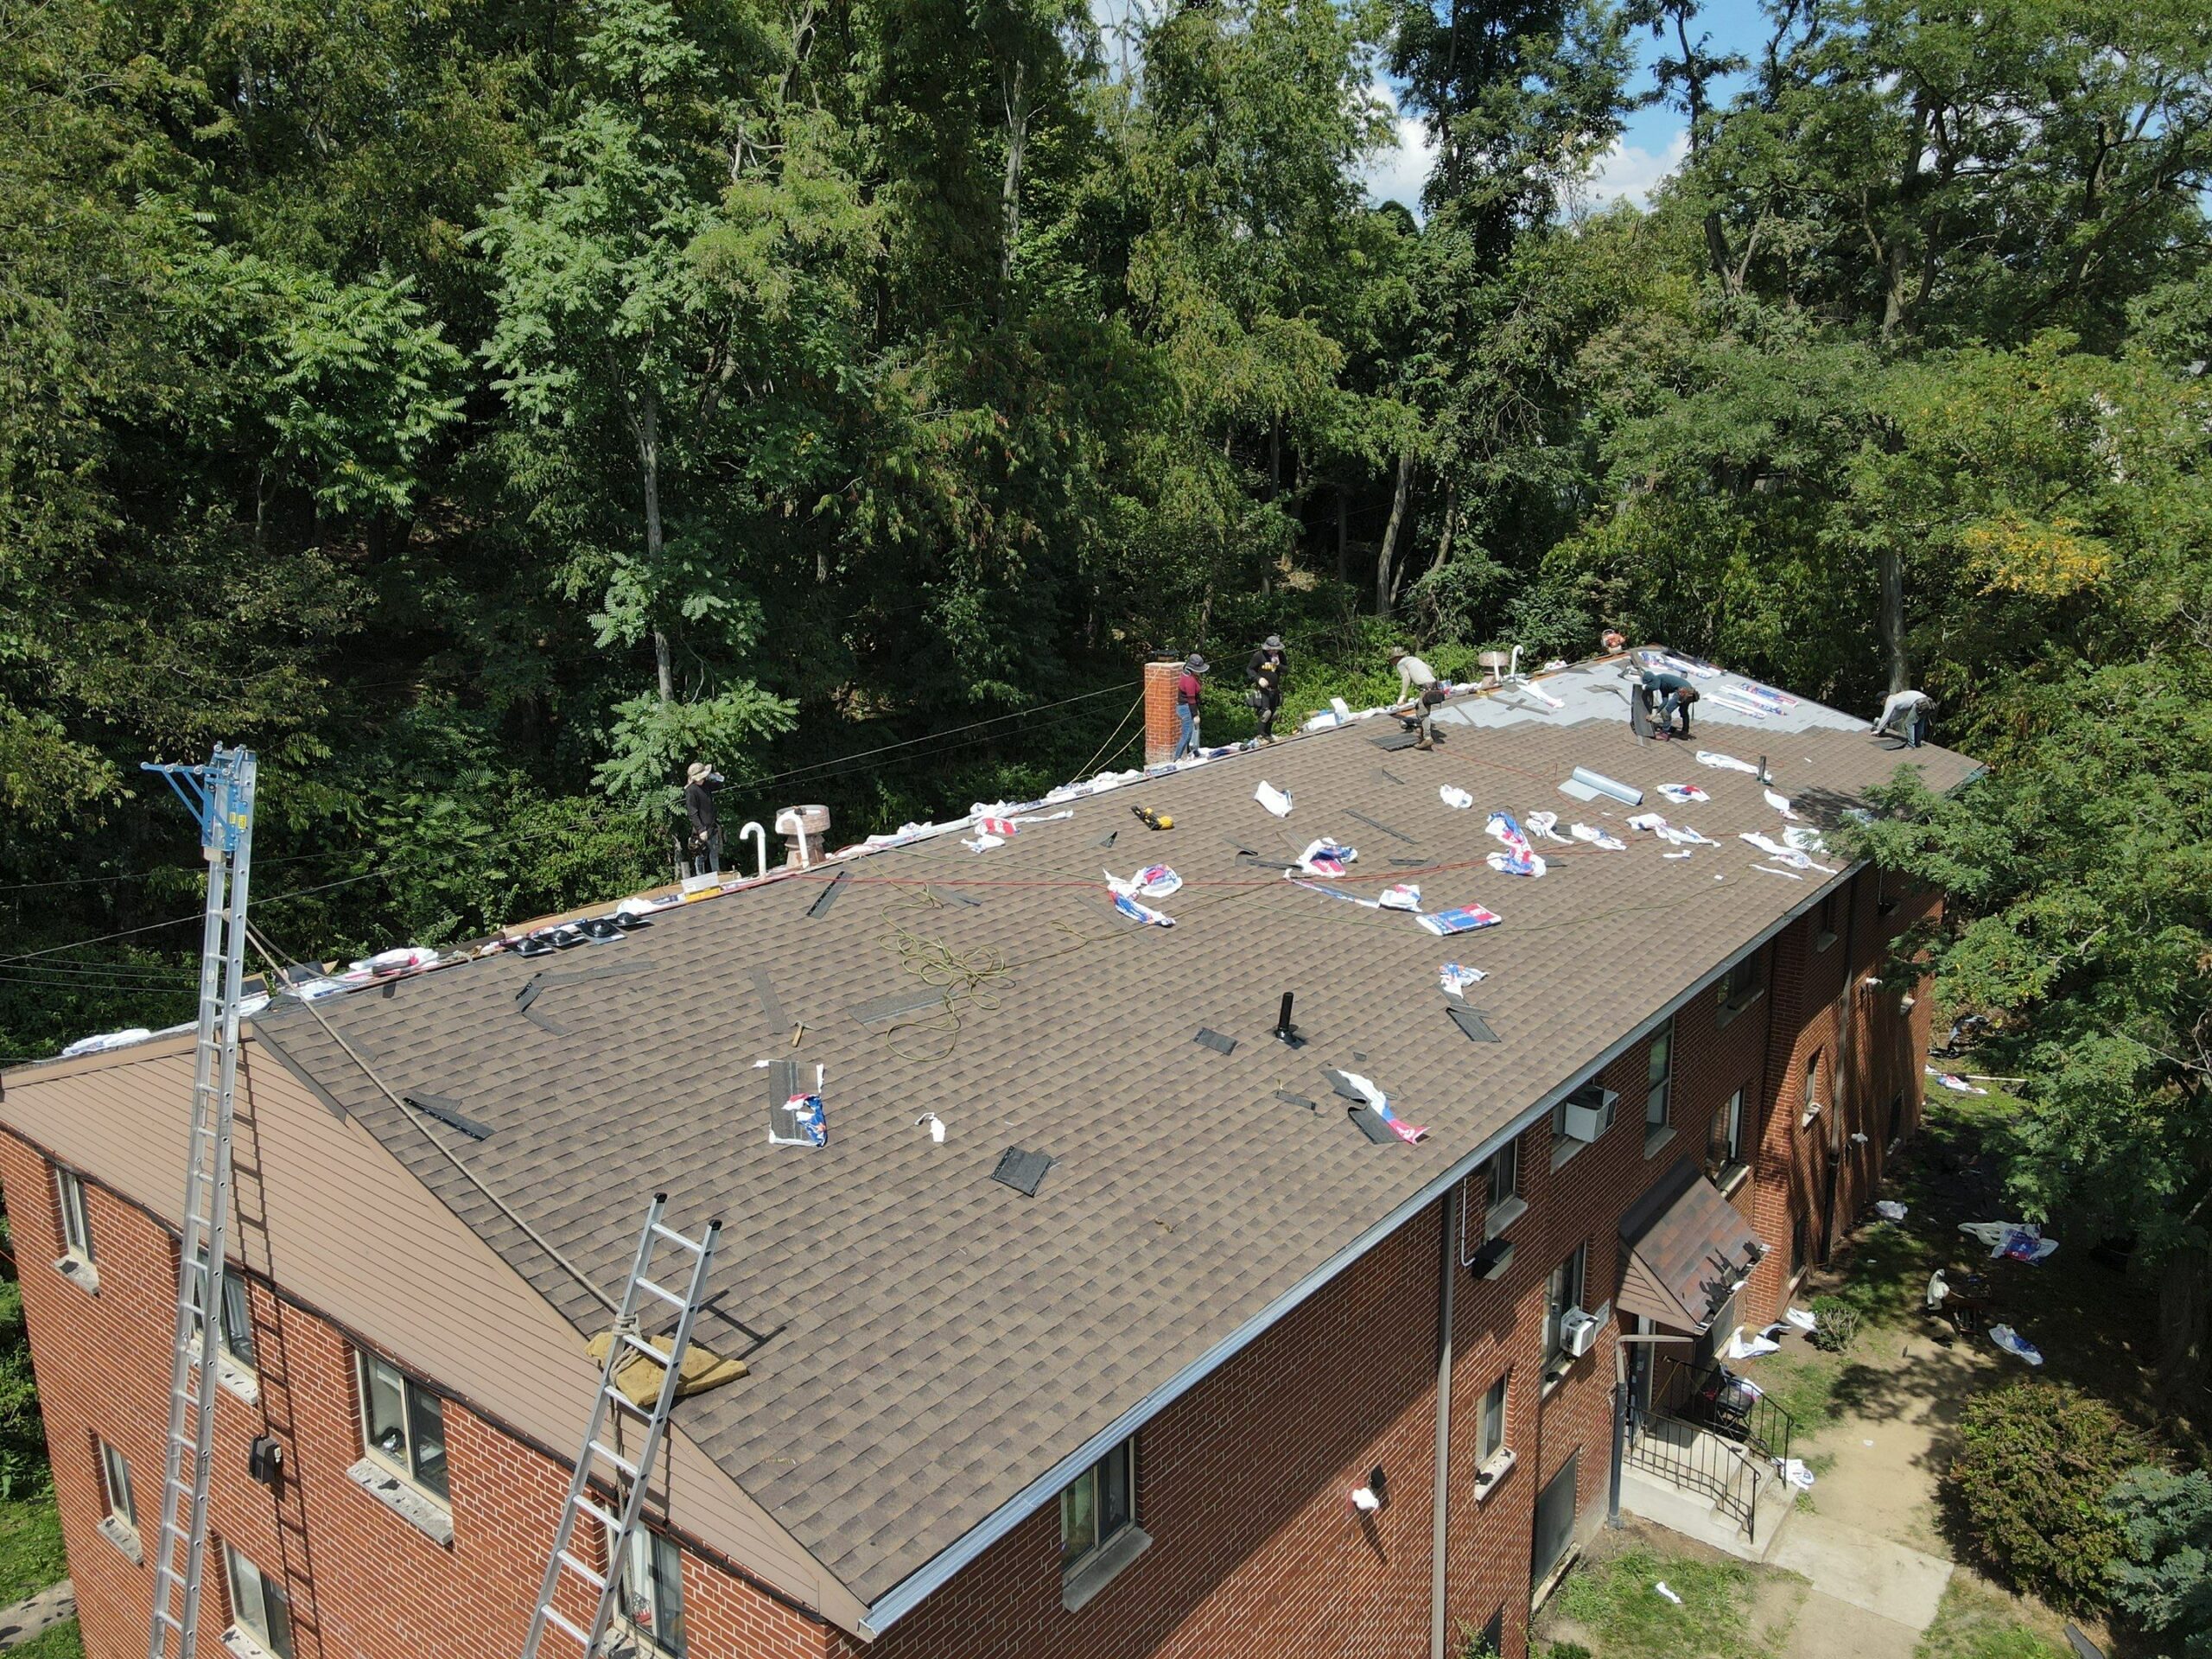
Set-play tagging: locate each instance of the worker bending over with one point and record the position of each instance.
(1265, 671)
(1666, 696)
(1905, 715)
(1413, 675)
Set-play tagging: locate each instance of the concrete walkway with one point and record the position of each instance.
(1895, 1582)
(26, 1619)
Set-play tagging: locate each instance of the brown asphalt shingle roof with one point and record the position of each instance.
(931, 1342)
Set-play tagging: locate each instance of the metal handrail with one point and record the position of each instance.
(1691, 1455)
(1707, 1393)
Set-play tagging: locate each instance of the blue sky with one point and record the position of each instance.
(1652, 147)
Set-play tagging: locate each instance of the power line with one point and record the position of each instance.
(842, 760)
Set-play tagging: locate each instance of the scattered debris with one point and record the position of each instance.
(1952, 1081)
(1889, 1210)
(1454, 979)
(1353, 1086)
(1474, 1023)
(1518, 858)
(1400, 895)
(1213, 1039)
(1683, 794)
(1750, 1345)
(937, 1126)
(2013, 1343)
(1794, 1471)
(1547, 825)
(1140, 912)
(1022, 1171)
(1783, 853)
(1276, 800)
(1326, 857)
(1153, 881)
(1767, 869)
(1661, 1588)
(1728, 762)
(1463, 918)
(1678, 835)
(1596, 837)
(1458, 800)
(2020, 1241)
(1801, 1319)
(1781, 805)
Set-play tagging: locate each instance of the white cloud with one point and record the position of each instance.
(1398, 174)
(1632, 172)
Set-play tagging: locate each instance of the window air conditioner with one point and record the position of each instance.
(1578, 1332)
(1583, 1115)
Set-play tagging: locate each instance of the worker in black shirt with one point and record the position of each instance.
(1265, 671)
(1667, 695)
(704, 847)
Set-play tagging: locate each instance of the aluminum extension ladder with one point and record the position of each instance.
(628, 1475)
(220, 794)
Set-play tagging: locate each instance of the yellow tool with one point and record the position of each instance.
(1153, 820)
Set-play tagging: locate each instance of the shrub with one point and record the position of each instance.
(1568, 1650)
(2163, 1582)
(1835, 1324)
(2035, 1462)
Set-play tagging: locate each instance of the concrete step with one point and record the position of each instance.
(1694, 1515)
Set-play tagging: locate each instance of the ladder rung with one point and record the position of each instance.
(674, 1237)
(597, 1580)
(581, 1636)
(168, 1618)
(612, 1523)
(665, 1295)
(645, 1347)
(624, 1402)
(627, 1467)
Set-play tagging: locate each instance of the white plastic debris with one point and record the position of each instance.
(1456, 798)
(1780, 804)
(1455, 979)
(1547, 825)
(1729, 762)
(1741, 1345)
(1889, 1210)
(106, 1041)
(1797, 1474)
(1400, 895)
(396, 961)
(936, 1125)
(2013, 1343)
(1800, 1318)
(1661, 1588)
(1596, 837)
(1276, 800)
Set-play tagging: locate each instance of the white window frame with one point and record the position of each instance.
(1812, 1104)
(1743, 984)
(237, 1355)
(251, 1596)
(405, 1465)
(1659, 1091)
(76, 1219)
(1490, 1422)
(1501, 1210)
(654, 1563)
(1732, 1161)
(1568, 1294)
(115, 1486)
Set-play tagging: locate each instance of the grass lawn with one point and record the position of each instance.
(62, 1642)
(1612, 1607)
(31, 1555)
(1977, 1620)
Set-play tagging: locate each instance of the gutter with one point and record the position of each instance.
(1448, 1282)
(904, 1597)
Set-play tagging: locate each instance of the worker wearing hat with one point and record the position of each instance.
(703, 850)
(1186, 705)
(1265, 671)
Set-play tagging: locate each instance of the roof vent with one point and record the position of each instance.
(805, 829)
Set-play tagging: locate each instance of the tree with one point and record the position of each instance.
(606, 324)
(2163, 1581)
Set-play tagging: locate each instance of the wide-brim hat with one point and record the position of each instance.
(1197, 665)
(699, 773)
(1273, 642)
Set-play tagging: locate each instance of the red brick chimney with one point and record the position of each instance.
(1162, 727)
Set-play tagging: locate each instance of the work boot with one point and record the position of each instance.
(1424, 744)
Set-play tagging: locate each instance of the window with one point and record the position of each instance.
(404, 1426)
(1097, 1506)
(1724, 1146)
(1659, 1074)
(259, 1609)
(237, 1313)
(1813, 1101)
(1491, 1440)
(1580, 1119)
(76, 1229)
(1885, 899)
(1503, 1204)
(1563, 1292)
(651, 1607)
(1801, 1245)
(1824, 928)
(1740, 986)
(115, 1485)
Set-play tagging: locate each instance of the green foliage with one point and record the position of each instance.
(2161, 1582)
(1836, 1325)
(62, 1640)
(1976, 1621)
(2034, 1464)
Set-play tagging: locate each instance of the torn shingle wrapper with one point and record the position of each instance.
(1153, 881)
(1455, 979)
(1137, 912)
(1276, 800)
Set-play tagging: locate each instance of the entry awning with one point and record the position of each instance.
(1689, 1252)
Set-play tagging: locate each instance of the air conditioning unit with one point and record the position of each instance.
(1578, 1331)
(1583, 1116)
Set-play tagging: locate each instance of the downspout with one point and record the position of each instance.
(1447, 1282)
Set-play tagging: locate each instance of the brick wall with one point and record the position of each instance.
(1243, 1484)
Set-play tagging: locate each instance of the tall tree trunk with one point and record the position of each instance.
(1893, 618)
(1450, 525)
(1344, 535)
(2184, 1324)
(1386, 587)
(647, 429)
(1017, 144)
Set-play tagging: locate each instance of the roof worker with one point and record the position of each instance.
(1187, 688)
(1265, 671)
(703, 847)
(1667, 695)
(1413, 675)
(1905, 715)
(1613, 642)
(1431, 696)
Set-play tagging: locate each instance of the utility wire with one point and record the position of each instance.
(268, 953)
(842, 760)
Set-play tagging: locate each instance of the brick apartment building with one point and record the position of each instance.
(1124, 1416)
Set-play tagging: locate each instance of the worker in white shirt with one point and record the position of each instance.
(1905, 714)
(1413, 675)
